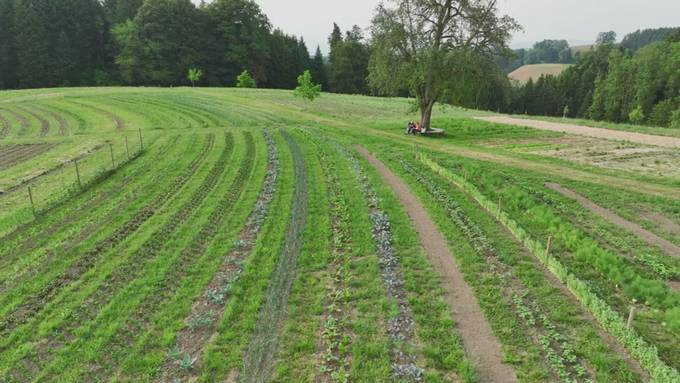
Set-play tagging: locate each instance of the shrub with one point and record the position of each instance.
(306, 87)
(637, 116)
(675, 119)
(245, 80)
(662, 112)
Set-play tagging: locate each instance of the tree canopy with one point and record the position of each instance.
(426, 46)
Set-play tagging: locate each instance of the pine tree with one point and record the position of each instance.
(318, 68)
(8, 62)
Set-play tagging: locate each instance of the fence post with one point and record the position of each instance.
(113, 163)
(141, 141)
(631, 317)
(549, 246)
(127, 148)
(30, 197)
(78, 174)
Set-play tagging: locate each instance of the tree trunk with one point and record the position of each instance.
(426, 114)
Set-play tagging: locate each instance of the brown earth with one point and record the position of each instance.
(478, 339)
(662, 221)
(617, 220)
(608, 134)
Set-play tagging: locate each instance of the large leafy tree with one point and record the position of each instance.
(159, 46)
(425, 45)
(238, 40)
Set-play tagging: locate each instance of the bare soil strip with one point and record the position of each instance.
(120, 124)
(478, 338)
(617, 220)
(607, 134)
(63, 124)
(14, 155)
(662, 221)
(44, 124)
(192, 339)
(23, 122)
(258, 362)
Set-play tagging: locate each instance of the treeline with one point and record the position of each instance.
(47, 43)
(611, 83)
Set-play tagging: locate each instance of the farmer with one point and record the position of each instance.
(410, 128)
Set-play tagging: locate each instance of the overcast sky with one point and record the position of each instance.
(578, 21)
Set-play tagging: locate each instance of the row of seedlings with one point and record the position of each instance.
(400, 327)
(86, 310)
(16, 315)
(86, 214)
(558, 351)
(646, 354)
(164, 285)
(184, 361)
(259, 358)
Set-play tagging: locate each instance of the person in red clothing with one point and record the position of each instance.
(418, 128)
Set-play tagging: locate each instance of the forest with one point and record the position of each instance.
(44, 43)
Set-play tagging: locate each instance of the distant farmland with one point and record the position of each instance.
(526, 72)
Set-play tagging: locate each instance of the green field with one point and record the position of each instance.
(240, 235)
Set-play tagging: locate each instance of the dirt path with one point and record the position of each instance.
(617, 220)
(478, 338)
(607, 134)
(663, 222)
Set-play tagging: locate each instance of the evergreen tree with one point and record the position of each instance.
(8, 61)
(119, 11)
(348, 66)
(318, 68)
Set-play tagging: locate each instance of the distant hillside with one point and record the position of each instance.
(526, 72)
(641, 38)
(581, 48)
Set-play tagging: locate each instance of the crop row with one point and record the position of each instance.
(609, 319)
(186, 356)
(15, 154)
(36, 301)
(134, 265)
(558, 351)
(401, 327)
(258, 361)
(163, 289)
(28, 240)
(336, 332)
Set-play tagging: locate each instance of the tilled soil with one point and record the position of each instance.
(617, 220)
(608, 134)
(478, 338)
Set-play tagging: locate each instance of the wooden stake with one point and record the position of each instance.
(141, 141)
(113, 163)
(78, 174)
(549, 246)
(631, 317)
(30, 197)
(127, 148)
